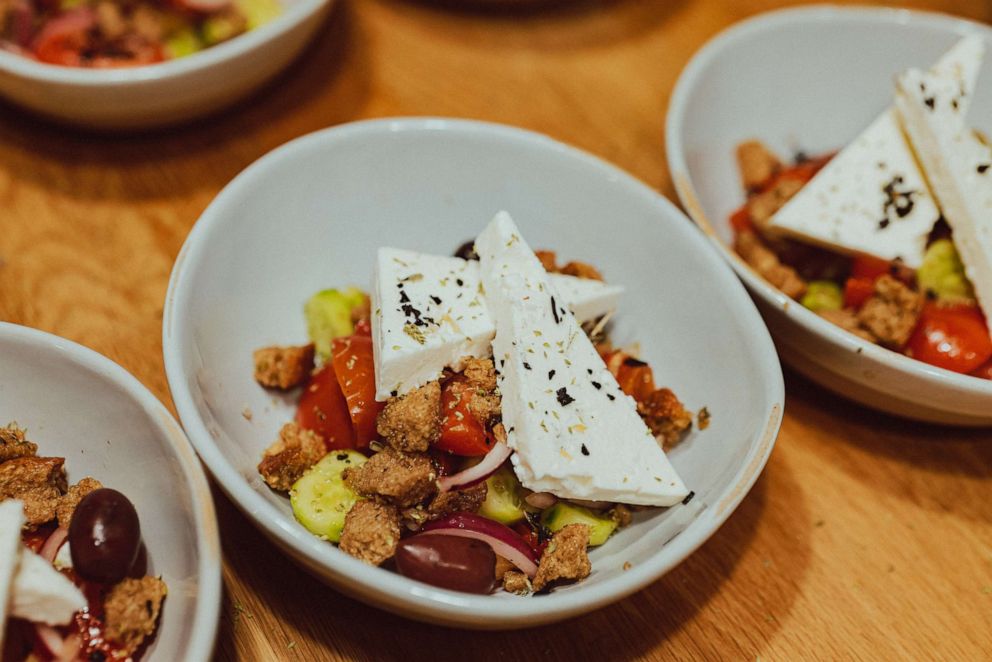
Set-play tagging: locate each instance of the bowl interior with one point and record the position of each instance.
(312, 215)
(81, 406)
(836, 76)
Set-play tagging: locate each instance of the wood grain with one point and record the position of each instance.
(866, 537)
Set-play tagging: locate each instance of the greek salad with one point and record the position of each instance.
(73, 569)
(891, 237)
(468, 423)
(123, 33)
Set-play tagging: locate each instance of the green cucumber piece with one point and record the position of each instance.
(560, 515)
(328, 315)
(320, 498)
(182, 42)
(503, 502)
(942, 273)
(258, 12)
(823, 295)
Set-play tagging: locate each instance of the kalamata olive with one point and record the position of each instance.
(452, 562)
(467, 251)
(104, 536)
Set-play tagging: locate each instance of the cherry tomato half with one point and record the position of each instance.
(324, 410)
(461, 432)
(951, 337)
(857, 290)
(355, 370)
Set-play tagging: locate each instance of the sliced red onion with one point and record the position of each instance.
(52, 640)
(71, 648)
(504, 540)
(53, 543)
(541, 500)
(492, 461)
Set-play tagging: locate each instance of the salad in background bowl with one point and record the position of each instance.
(868, 261)
(123, 64)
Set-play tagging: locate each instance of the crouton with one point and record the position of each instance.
(468, 500)
(757, 164)
(13, 443)
(565, 558)
(892, 312)
(549, 260)
(847, 319)
(502, 567)
(283, 367)
(621, 515)
(581, 270)
(750, 247)
(412, 422)
(371, 532)
(762, 206)
(37, 481)
(665, 416)
(404, 479)
(131, 610)
(480, 374)
(69, 501)
(515, 581)
(290, 456)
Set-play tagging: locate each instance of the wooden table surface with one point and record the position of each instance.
(866, 537)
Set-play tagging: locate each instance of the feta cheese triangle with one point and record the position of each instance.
(429, 314)
(871, 198)
(958, 166)
(575, 433)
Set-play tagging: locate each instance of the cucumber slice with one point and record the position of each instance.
(560, 515)
(942, 273)
(823, 295)
(328, 315)
(503, 502)
(320, 499)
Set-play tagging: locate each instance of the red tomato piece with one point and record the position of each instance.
(324, 410)
(63, 37)
(363, 327)
(983, 371)
(741, 221)
(857, 291)
(355, 370)
(461, 431)
(951, 337)
(866, 266)
(635, 377)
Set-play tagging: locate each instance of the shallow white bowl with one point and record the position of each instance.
(813, 78)
(312, 214)
(82, 406)
(167, 92)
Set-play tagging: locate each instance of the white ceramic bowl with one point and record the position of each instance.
(167, 92)
(814, 78)
(312, 214)
(82, 406)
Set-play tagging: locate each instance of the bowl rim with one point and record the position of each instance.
(386, 588)
(26, 68)
(751, 29)
(208, 594)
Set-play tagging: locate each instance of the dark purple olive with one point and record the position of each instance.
(467, 251)
(104, 536)
(452, 562)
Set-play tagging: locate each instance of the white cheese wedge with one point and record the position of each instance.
(429, 314)
(574, 432)
(11, 521)
(42, 594)
(958, 165)
(872, 198)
